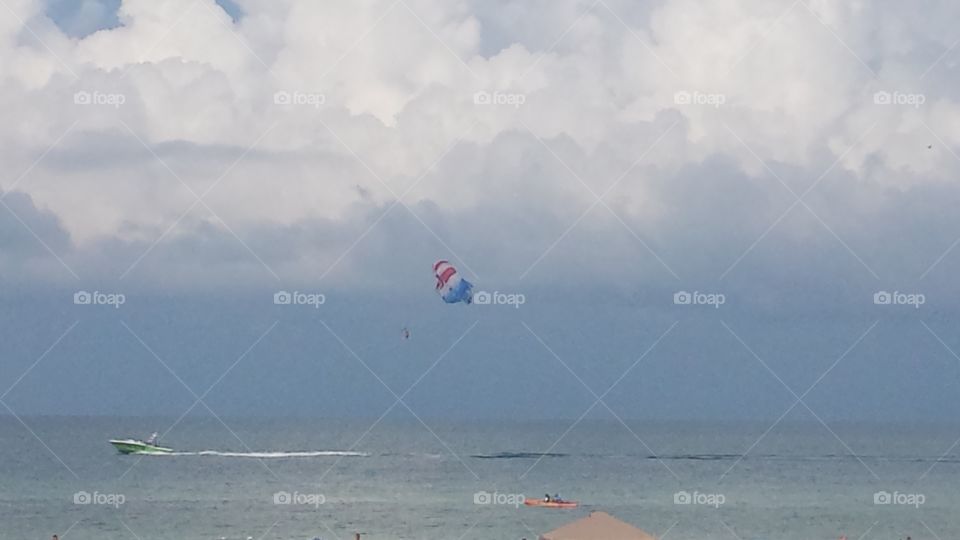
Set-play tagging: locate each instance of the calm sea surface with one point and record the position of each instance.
(302, 479)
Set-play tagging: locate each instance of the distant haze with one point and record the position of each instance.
(500, 369)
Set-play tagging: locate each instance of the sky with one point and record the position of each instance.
(711, 210)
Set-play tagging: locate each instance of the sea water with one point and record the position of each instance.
(400, 478)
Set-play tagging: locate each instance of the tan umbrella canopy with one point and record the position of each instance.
(597, 526)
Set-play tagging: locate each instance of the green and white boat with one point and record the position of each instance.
(133, 446)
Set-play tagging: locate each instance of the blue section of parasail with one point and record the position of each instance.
(461, 292)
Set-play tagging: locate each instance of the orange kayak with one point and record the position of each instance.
(551, 504)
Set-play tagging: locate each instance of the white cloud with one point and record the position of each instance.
(393, 90)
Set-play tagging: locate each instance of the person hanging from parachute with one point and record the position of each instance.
(450, 286)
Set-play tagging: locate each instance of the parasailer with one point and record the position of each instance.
(450, 286)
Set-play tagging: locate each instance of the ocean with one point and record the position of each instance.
(399, 478)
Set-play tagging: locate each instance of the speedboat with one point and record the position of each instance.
(133, 446)
(552, 503)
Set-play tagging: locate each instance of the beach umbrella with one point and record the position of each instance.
(597, 526)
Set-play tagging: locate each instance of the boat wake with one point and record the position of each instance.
(268, 455)
(721, 457)
(519, 455)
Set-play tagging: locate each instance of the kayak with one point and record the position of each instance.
(131, 446)
(551, 504)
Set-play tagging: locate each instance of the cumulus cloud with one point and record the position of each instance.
(644, 143)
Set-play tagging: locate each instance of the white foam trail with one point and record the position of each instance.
(267, 455)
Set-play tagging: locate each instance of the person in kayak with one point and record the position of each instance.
(546, 498)
(152, 439)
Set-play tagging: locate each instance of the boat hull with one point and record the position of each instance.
(129, 446)
(551, 504)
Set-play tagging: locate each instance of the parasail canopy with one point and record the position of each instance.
(450, 286)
